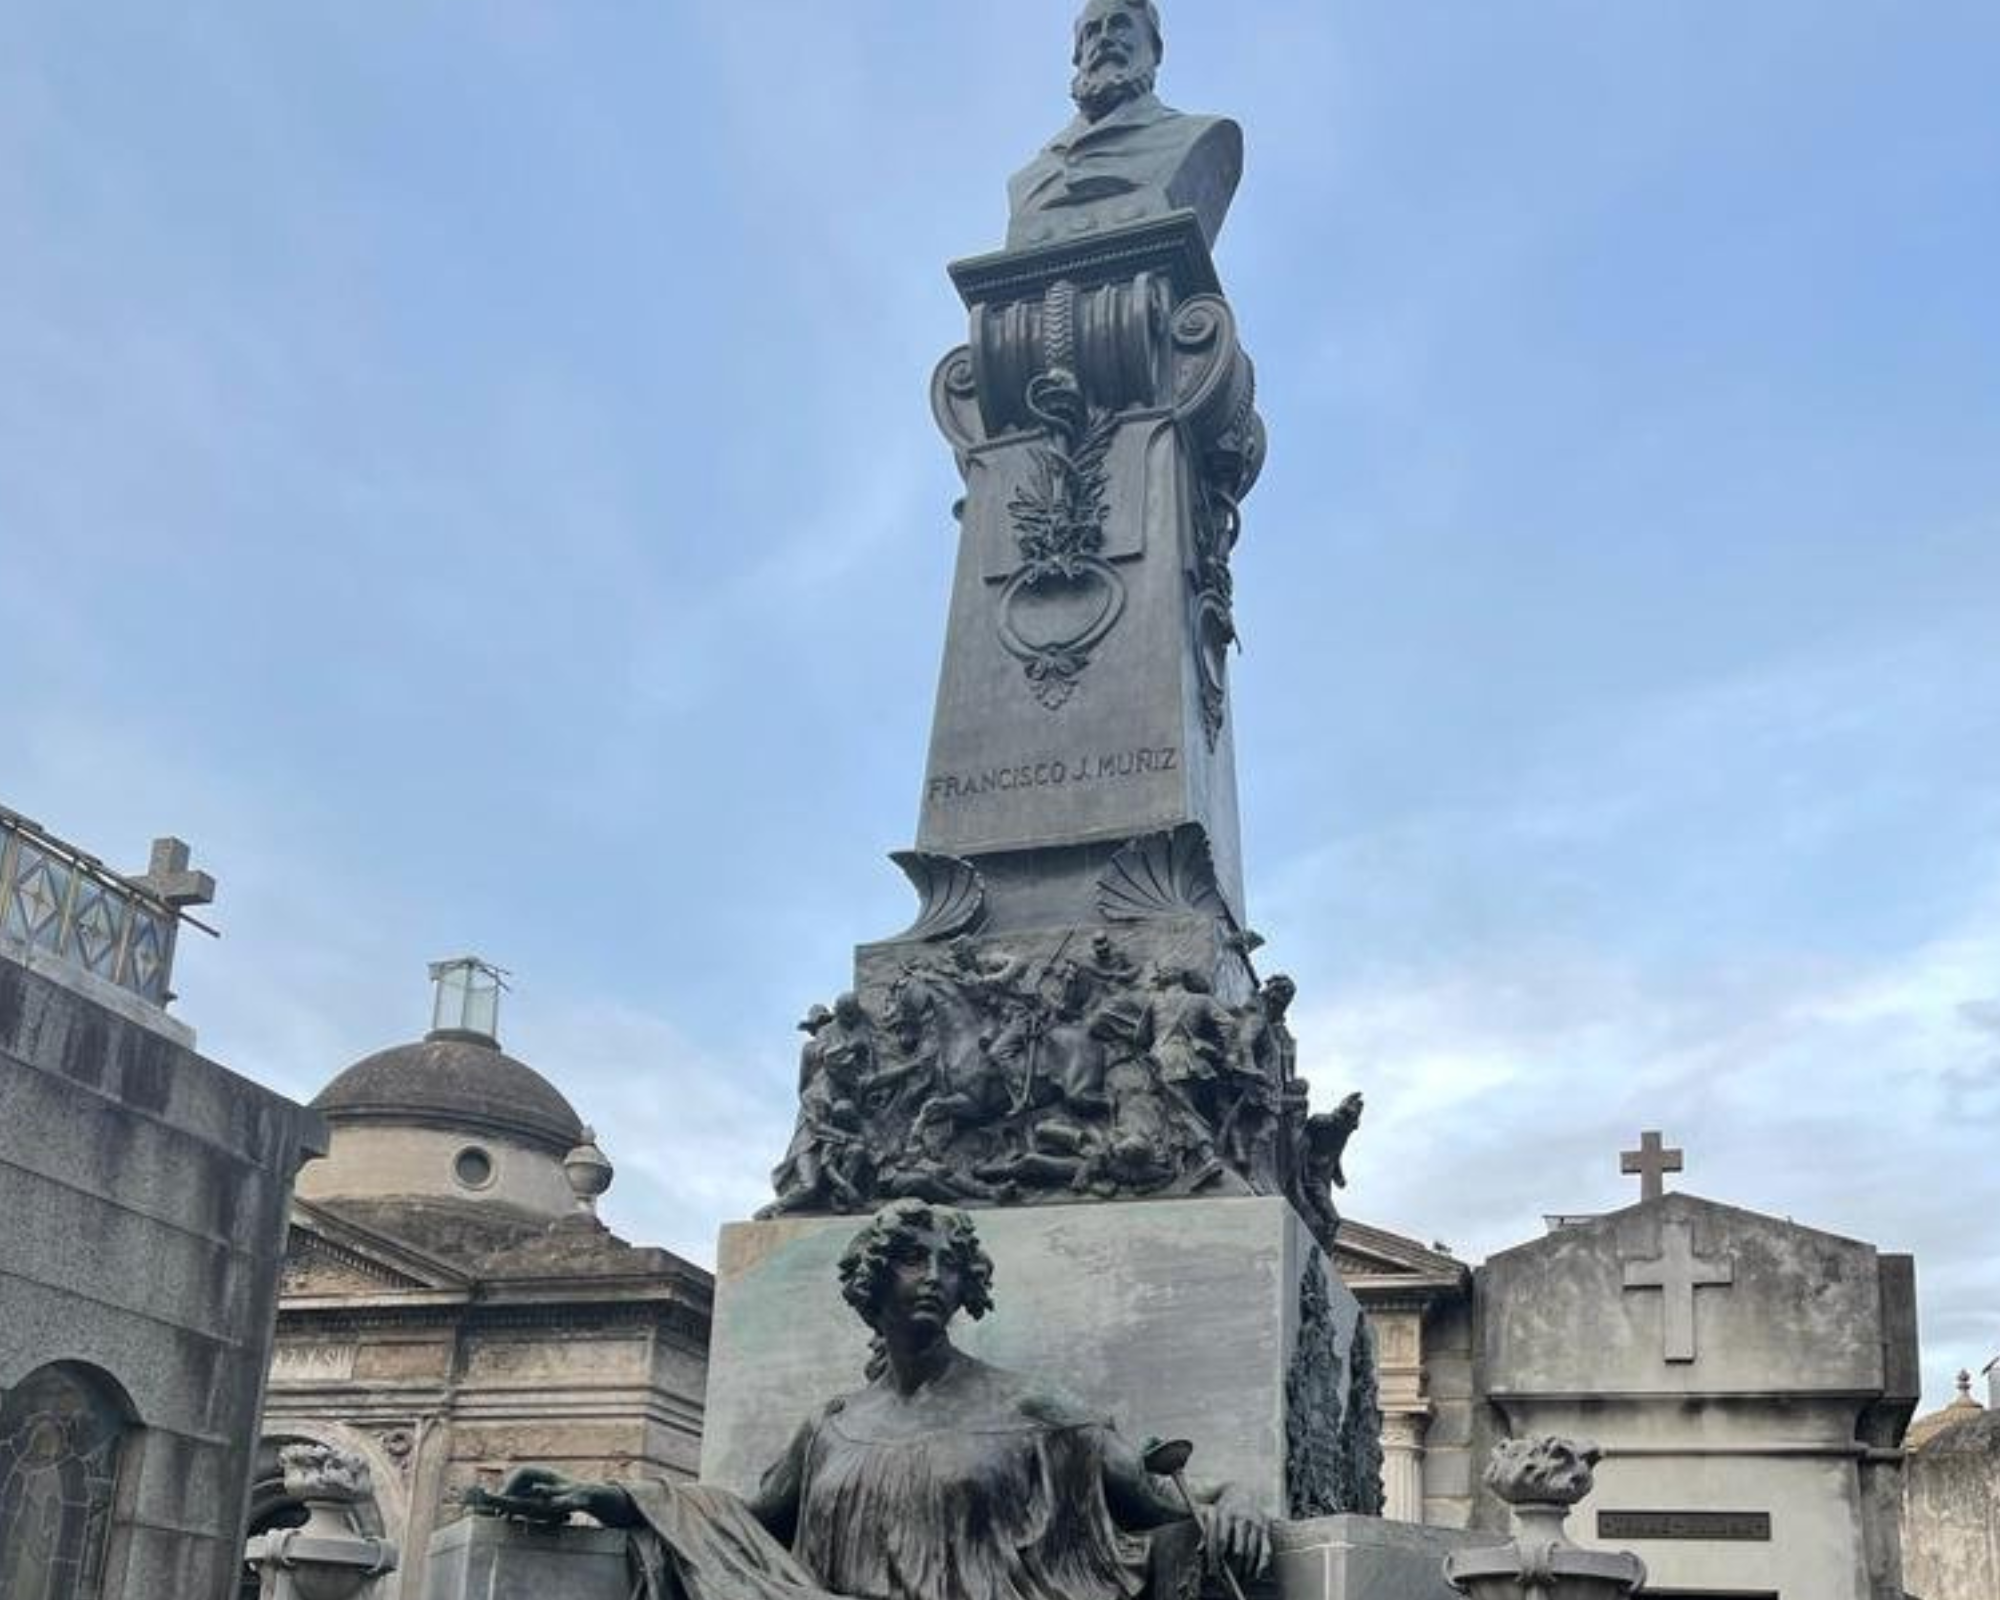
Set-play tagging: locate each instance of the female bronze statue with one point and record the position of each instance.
(943, 1479)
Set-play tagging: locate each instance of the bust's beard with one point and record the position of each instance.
(1097, 94)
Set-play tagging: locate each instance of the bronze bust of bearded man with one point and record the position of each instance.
(943, 1479)
(1127, 157)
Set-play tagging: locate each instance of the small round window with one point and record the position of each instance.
(473, 1167)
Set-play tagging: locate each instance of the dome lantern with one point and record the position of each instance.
(466, 1004)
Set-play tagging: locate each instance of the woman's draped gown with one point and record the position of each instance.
(981, 1486)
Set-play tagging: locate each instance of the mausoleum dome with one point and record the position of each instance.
(450, 1117)
(1963, 1408)
(454, 1080)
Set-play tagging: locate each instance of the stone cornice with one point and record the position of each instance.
(338, 1317)
(1172, 245)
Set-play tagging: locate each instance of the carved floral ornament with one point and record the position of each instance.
(1064, 598)
(1070, 367)
(1541, 1478)
(1542, 1471)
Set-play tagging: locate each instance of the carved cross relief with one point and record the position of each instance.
(1677, 1272)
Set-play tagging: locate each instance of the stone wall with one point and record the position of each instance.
(450, 1383)
(1748, 1379)
(1951, 1513)
(1455, 1440)
(145, 1190)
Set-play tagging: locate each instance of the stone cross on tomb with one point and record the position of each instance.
(168, 879)
(1677, 1272)
(1650, 1163)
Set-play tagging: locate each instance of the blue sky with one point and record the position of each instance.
(467, 468)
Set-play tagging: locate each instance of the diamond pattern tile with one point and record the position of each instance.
(146, 952)
(96, 926)
(51, 899)
(35, 903)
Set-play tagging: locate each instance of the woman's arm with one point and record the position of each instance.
(1233, 1530)
(1138, 1498)
(776, 1502)
(542, 1494)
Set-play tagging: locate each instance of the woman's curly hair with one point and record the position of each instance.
(866, 1262)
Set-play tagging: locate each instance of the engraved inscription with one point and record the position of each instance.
(309, 1363)
(1742, 1526)
(1061, 772)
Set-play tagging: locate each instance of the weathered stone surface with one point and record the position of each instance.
(1951, 1509)
(1178, 1318)
(1364, 1558)
(147, 1189)
(484, 1558)
(1563, 1317)
(1726, 1362)
(594, 1363)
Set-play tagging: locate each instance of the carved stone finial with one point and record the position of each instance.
(326, 1559)
(589, 1172)
(321, 1474)
(1545, 1471)
(1541, 1479)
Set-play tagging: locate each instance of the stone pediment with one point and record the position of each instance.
(1682, 1295)
(327, 1254)
(1374, 1262)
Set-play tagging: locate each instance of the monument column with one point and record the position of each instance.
(1403, 1464)
(1074, 1015)
(1406, 1413)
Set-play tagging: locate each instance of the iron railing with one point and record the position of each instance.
(55, 898)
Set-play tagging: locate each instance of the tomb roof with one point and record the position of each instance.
(454, 1079)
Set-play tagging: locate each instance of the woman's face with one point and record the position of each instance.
(926, 1285)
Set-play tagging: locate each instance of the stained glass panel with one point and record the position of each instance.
(147, 955)
(60, 1432)
(97, 923)
(60, 900)
(40, 890)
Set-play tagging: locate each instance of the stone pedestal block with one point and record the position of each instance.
(484, 1558)
(1103, 415)
(1178, 1318)
(1364, 1558)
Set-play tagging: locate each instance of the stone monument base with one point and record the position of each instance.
(1177, 1318)
(1365, 1558)
(484, 1558)
(1328, 1558)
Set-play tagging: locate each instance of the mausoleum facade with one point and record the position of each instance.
(1951, 1497)
(145, 1190)
(452, 1305)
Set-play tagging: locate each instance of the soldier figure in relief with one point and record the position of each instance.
(1326, 1137)
(820, 1166)
(1249, 1132)
(1191, 1034)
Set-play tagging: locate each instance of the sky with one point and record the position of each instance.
(467, 468)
